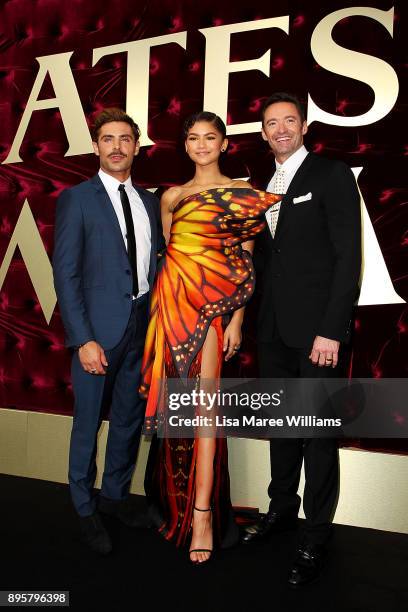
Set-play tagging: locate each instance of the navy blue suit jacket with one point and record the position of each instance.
(92, 275)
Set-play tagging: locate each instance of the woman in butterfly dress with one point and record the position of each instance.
(206, 277)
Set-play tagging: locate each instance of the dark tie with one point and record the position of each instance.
(131, 241)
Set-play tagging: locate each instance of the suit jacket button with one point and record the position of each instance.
(127, 272)
(277, 250)
(127, 295)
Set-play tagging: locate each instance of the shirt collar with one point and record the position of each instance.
(293, 162)
(111, 183)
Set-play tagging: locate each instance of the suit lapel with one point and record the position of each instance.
(293, 188)
(153, 229)
(265, 182)
(108, 211)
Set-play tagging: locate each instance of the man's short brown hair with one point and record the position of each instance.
(283, 96)
(113, 114)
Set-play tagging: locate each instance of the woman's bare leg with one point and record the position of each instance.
(202, 521)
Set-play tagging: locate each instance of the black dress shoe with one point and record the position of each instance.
(94, 534)
(307, 566)
(269, 523)
(124, 512)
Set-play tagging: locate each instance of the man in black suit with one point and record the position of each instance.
(310, 257)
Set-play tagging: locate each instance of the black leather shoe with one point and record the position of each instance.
(94, 534)
(124, 512)
(269, 523)
(307, 566)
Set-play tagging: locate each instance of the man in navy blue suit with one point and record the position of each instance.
(107, 239)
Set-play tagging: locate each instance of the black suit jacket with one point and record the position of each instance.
(308, 275)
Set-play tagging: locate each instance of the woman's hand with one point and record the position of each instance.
(232, 338)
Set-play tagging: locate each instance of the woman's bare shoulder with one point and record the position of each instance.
(170, 197)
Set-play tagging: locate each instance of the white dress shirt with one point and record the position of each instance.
(289, 167)
(140, 221)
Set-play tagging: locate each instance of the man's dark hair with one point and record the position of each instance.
(205, 116)
(113, 114)
(283, 96)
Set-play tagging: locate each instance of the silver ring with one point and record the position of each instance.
(93, 371)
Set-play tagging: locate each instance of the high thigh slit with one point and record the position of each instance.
(205, 276)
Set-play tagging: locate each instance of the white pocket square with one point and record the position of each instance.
(303, 198)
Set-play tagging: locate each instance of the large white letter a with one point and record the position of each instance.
(66, 99)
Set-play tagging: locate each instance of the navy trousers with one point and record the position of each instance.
(117, 390)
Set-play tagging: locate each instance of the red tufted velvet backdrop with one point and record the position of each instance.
(34, 368)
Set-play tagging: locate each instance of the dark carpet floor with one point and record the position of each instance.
(367, 570)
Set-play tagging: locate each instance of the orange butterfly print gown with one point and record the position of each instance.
(205, 275)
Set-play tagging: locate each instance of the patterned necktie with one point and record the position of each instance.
(278, 187)
(130, 236)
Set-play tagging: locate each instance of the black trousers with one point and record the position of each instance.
(320, 455)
